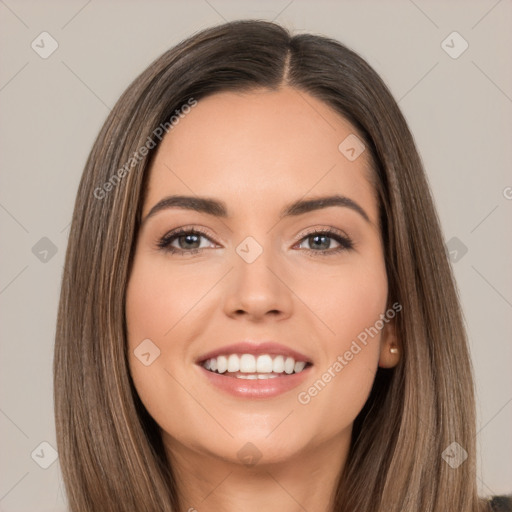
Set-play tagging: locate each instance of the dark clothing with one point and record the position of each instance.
(501, 503)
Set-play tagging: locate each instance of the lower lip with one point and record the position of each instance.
(256, 388)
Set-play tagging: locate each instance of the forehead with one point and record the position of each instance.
(265, 147)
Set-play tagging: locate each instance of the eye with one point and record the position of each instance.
(322, 240)
(188, 241)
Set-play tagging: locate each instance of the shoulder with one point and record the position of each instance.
(501, 503)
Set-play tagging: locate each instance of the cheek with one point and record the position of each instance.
(155, 304)
(157, 299)
(144, 308)
(353, 300)
(349, 300)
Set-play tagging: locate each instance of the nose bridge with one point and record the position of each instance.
(256, 286)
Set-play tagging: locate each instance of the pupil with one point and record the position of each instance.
(326, 244)
(188, 237)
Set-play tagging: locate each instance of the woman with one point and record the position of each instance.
(306, 351)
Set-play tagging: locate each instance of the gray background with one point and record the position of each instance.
(459, 110)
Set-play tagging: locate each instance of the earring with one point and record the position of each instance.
(393, 350)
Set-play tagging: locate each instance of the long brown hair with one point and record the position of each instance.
(111, 453)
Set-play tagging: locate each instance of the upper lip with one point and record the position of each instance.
(256, 348)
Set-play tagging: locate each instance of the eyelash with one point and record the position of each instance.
(345, 242)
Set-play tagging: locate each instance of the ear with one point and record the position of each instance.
(389, 346)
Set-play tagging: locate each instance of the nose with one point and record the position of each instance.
(258, 289)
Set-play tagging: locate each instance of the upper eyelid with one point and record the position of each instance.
(323, 229)
(184, 230)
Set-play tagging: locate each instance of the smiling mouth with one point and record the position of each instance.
(248, 366)
(251, 376)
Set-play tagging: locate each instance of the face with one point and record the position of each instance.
(312, 280)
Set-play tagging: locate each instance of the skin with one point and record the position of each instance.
(257, 151)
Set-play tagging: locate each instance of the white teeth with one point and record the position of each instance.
(222, 364)
(278, 364)
(289, 365)
(233, 363)
(260, 376)
(299, 366)
(247, 363)
(265, 365)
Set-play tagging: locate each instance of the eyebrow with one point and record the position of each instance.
(218, 208)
